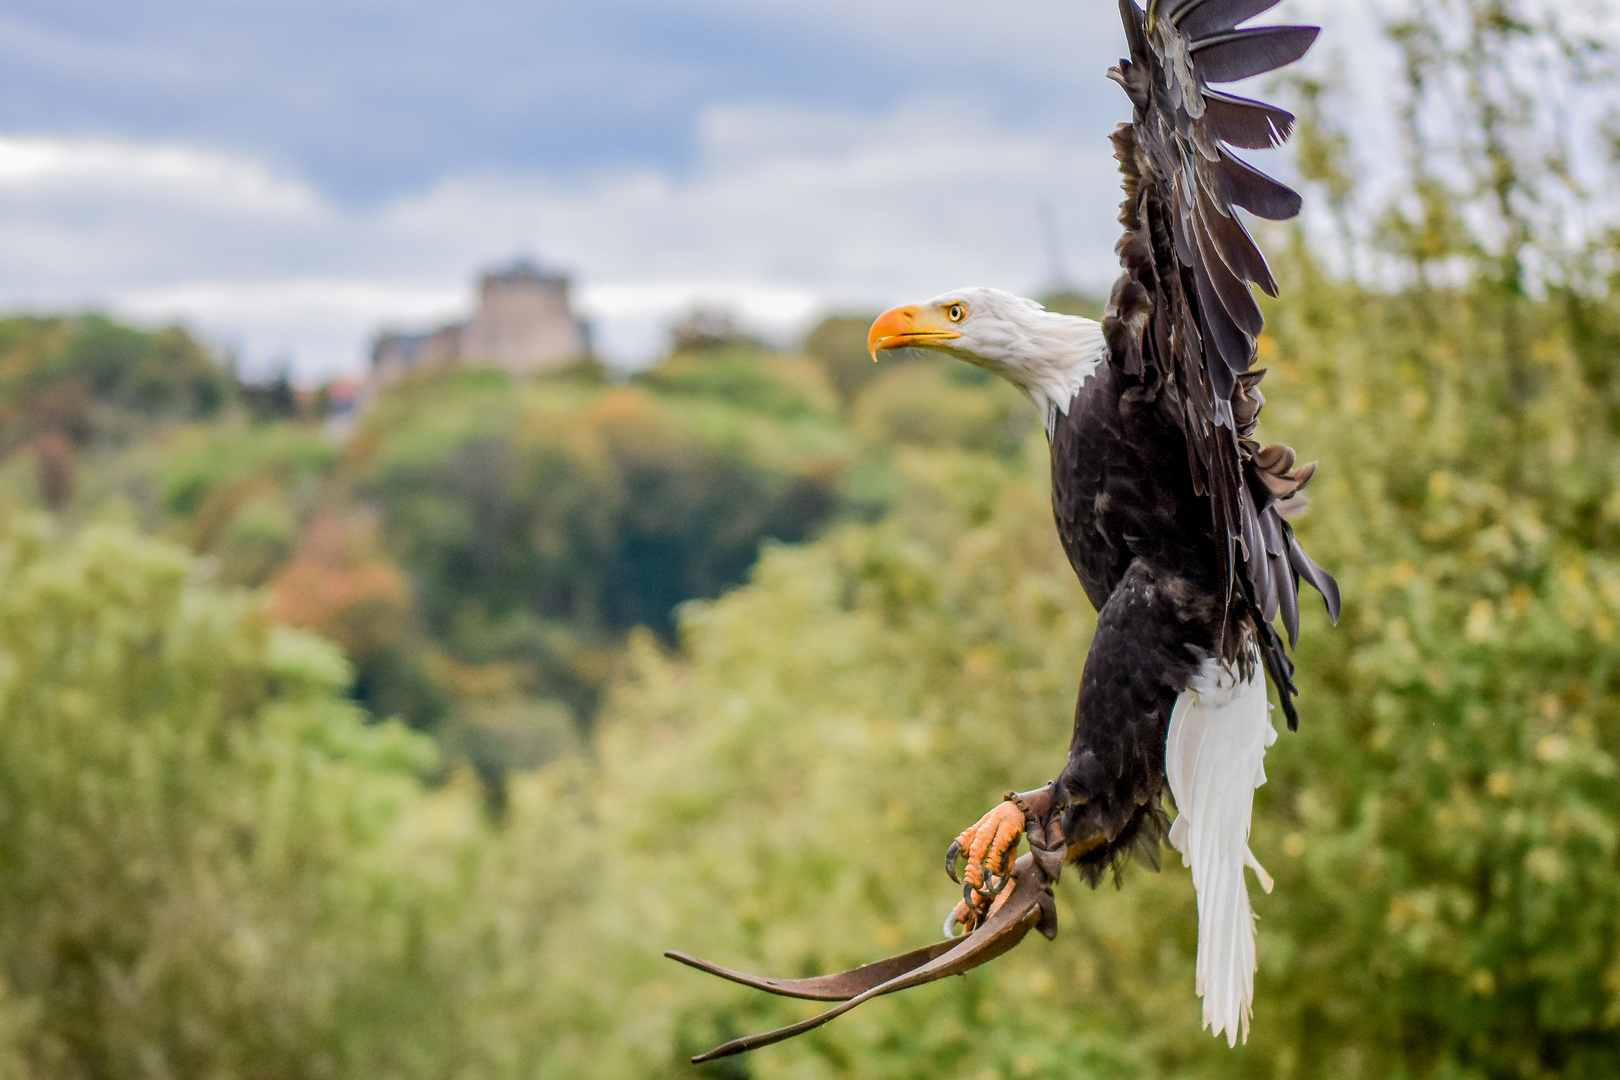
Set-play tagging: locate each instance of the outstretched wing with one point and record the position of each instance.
(1183, 318)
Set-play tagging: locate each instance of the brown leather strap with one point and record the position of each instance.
(840, 987)
(1019, 914)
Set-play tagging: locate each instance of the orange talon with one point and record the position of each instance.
(989, 846)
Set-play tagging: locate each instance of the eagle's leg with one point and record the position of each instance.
(990, 846)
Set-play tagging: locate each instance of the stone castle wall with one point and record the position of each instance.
(524, 324)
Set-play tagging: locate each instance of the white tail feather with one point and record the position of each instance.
(1214, 759)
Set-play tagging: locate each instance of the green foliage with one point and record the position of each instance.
(944, 406)
(775, 792)
(242, 491)
(748, 378)
(538, 522)
(72, 385)
(838, 343)
(1069, 302)
(90, 379)
(202, 848)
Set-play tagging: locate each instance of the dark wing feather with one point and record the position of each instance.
(1228, 346)
(1289, 593)
(1201, 18)
(1253, 125)
(1182, 318)
(1243, 54)
(1241, 184)
(1320, 579)
(1237, 250)
(1174, 9)
(1282, 575)
(1254, 557)
(1235, 295)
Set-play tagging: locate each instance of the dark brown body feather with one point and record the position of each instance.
(1166, 506)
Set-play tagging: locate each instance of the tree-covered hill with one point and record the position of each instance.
(479, 544)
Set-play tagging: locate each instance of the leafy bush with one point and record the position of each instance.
(183, 886)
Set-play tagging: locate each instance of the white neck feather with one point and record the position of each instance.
(1047, 355)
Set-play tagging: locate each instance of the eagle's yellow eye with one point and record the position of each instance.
(956, 313)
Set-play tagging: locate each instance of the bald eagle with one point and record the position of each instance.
(1172, 515)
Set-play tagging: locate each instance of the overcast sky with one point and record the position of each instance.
(287, 175)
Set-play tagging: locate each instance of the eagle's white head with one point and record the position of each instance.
(1046, 355)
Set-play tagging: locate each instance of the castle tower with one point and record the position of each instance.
(524, 323)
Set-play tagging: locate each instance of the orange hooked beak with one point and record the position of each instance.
(904, 327)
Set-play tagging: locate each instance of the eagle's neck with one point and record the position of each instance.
(1046, 355)
(1063, 351)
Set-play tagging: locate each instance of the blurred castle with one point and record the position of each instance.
(523, 324)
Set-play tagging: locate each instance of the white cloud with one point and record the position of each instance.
(785, 212)
(265, 324)
(63, 168)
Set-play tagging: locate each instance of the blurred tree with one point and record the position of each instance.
(344, 586)
(709, 329)
(839, 343)
(238, 492)
(1070, 302)
(930, 403)
(91, 381)
(209, 865)
(538, 522)
(273, 400)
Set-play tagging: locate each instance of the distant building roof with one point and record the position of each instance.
(524, 271)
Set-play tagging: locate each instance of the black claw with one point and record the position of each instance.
(951, 854)
(995, 886)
